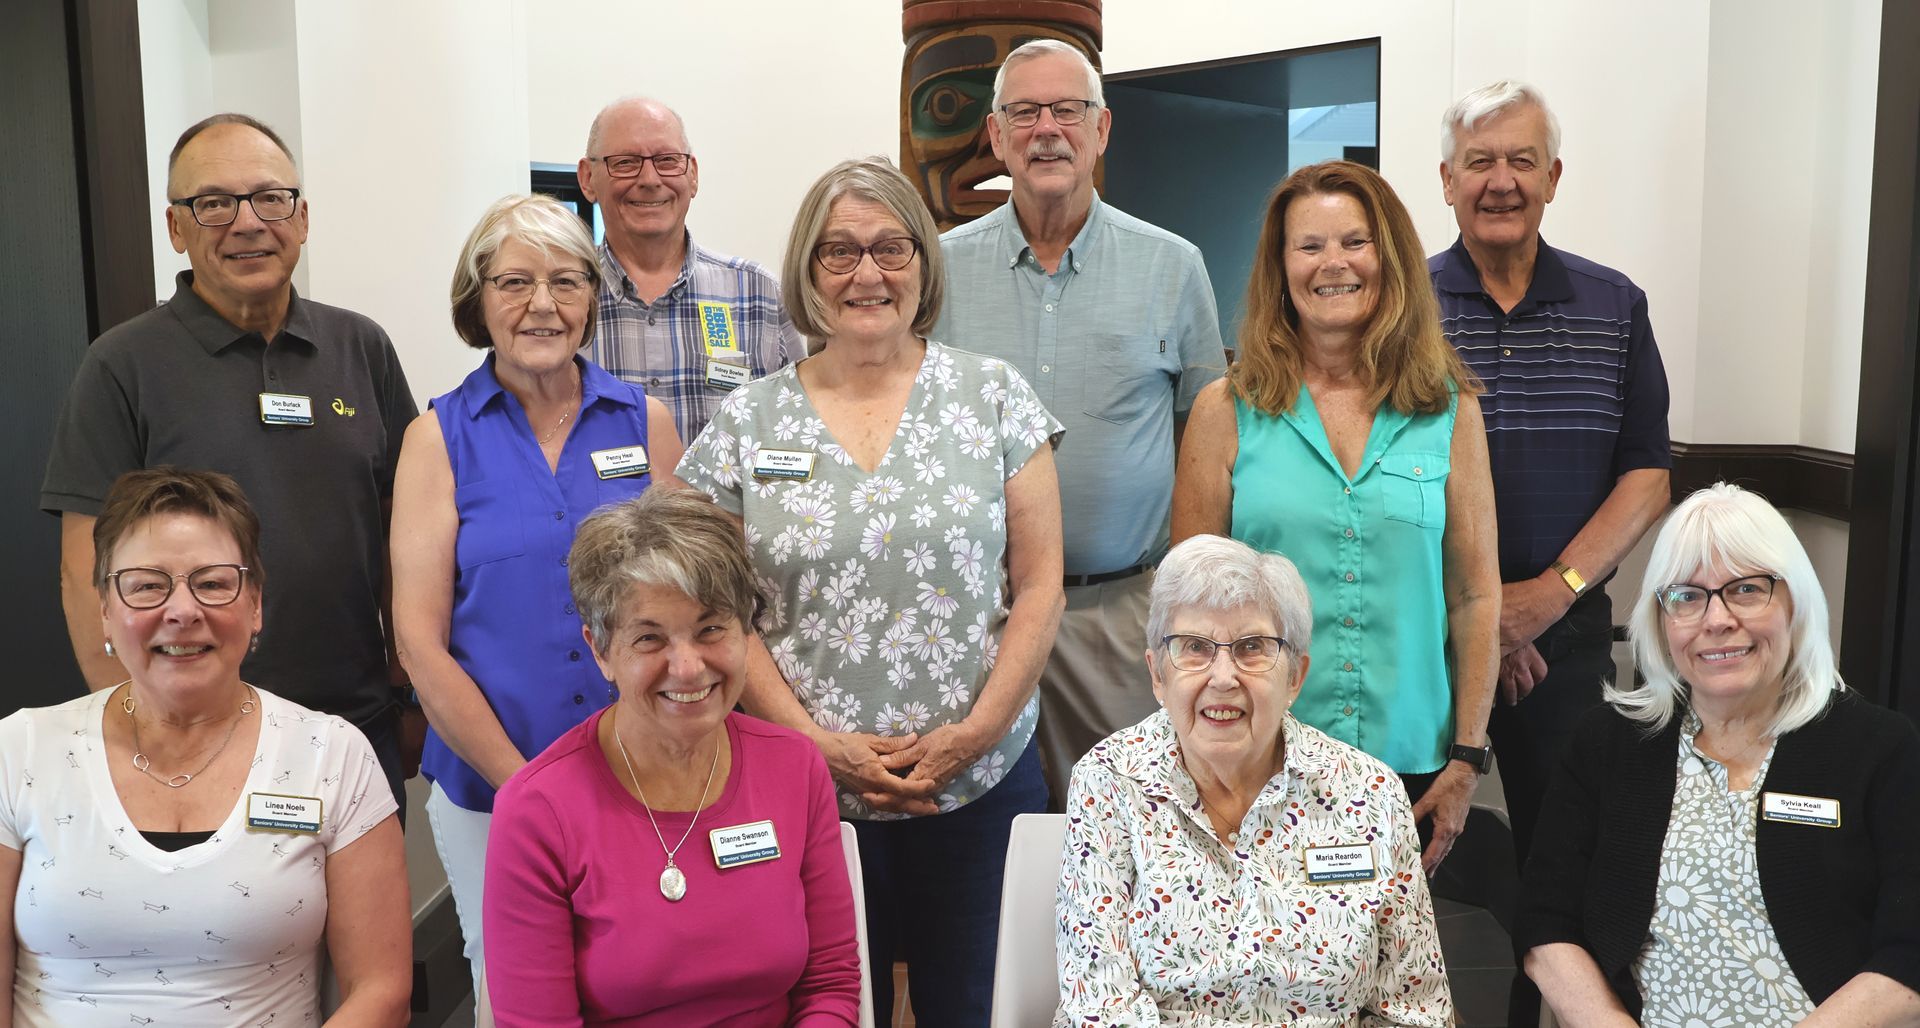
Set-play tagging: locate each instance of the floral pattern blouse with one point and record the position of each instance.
(1163, 923)
(887, 591)
(1711, 958)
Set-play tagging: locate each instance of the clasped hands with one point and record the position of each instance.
(872, 766)
(1527, 609)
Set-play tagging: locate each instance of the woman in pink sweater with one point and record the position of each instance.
(669, 862)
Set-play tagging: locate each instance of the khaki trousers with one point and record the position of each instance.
(1095, 682)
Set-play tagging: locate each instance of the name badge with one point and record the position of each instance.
(726, 374)
(620, 461)
(285, 409)
(1329, 864)
(270, 812)
(716, 326)
(1800, 810)
(795, 464)
(744, 844)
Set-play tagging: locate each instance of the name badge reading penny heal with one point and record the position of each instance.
(727, 374)
(795, 464)
(744, 844)
(285, 409)
(620, 461)
(271, 812)
(1329, 864)
(1800, 810)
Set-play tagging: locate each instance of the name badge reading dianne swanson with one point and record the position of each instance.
(620, 461)
(285, 409)
(270, 812)
(744, 844)
(727, 374)
(1329, 864)
(794, 464)
(1799, 810)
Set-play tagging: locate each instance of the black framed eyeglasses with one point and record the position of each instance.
(213, 210)
(888, 254)
(1251, 653)
(566, 287)
(1743, 597)
(1065, 112)
(211, 585)
(629, 165)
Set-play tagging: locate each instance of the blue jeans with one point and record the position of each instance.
(933, 899)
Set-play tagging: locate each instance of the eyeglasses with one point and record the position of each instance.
(1065, 112)
(1742, 597)
(628, 165)
(212, 210)
(214, 585)
(1253, 653)
(566, 287)
(888, 254)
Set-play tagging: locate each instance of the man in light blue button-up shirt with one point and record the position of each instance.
(1113, 322)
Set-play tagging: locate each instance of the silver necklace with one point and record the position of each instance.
(673, 881)
(142, 764)
(572, 405)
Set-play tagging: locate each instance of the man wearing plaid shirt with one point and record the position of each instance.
(685, 324)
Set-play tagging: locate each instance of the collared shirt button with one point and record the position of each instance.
(1046, 368)
(1504, 352)
(569, 609)
(578, 699)
(1347, 711)
(1348, 666)
(1349, 533)
(1346, 621)
(1049, 308)
(559, 515)
(1348, 490)
(573, 654)
(650, 318)
(653, 381)
(563, 562)
(1416, 470)
(1349, 576)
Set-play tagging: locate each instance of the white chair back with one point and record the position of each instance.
(1026, 977)
(850, 845)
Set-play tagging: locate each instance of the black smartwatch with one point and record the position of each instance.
(1480, 758)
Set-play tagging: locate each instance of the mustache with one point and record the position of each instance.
(1048, 148)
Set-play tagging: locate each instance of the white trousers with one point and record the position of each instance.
(460, 836)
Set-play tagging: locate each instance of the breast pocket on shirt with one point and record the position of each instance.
(1119, 376)
(490, 526)
(1413, 488)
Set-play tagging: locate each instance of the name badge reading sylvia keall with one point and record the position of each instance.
(795, 464)
(285, 409)
(620, 461)
(1799, 810)
(744, 844)
(270, 812)
(1329, 864)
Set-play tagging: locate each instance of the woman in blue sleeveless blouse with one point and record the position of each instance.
(490, 485)
(1348, 437)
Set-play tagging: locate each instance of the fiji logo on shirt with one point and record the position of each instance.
(340, 407)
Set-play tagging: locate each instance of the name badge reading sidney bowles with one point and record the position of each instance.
(1329, 864)
(275, 813)
(620, 461)
(716, 326)
(285, 409)
(726, 374)
(795, 464)
(1800, 810)
(744, 844)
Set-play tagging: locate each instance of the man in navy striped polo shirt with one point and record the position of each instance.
(1576, 412)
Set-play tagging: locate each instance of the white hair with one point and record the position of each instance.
(1483, 103)
(1726, 527)
(634, 100)
(1215, 573)
(1041, 48)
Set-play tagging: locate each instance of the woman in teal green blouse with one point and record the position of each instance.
(1347, 436)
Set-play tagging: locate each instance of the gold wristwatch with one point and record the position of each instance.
(1569, 576)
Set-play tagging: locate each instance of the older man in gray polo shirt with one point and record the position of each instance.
(1113, 322)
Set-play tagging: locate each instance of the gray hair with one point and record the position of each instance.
(1483, 103)
(1041, 48)
(1216, 573)
(1727, 527)
(593, 130)
(869, 178)
(228, 118)
(673, 538)
(542, 223)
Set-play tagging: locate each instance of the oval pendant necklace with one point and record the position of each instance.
(673, 881)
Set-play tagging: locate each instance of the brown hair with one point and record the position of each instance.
(1404, 358)
(677, 538)
(150, 492)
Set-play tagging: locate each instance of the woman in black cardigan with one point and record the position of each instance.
(1737, 841)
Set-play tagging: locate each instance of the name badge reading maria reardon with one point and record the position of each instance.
(744, 844)
(1327, 865)
(285, 409)
(1800, 810)
(794, 464)
(270, 812)
(620, 461)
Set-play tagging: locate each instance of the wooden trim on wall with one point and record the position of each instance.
(111, 136)
(1799, 477)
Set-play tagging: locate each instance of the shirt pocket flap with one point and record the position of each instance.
(1413, 487)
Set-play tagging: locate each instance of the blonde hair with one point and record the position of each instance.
(542, 223)
(869, 178)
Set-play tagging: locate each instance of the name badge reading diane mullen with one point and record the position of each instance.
(744, 844)
(795, 464)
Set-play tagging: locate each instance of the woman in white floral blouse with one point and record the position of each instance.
(900, 503)
(1226, 864)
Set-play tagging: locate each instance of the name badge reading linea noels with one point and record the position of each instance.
(620, 461)
(285, 409)
(1329, 864)
(795, 464)
(1800, 810)
(744, 844)
(271, 812)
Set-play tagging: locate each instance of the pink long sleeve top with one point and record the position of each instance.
(579, 934)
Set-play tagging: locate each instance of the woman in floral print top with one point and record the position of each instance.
(1224, 863)
(901, 508)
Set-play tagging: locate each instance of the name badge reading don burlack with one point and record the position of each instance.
(1327, 865)
(744, 844)
(795, 464)
(285, 409)
(270, 812)
(620, 461)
